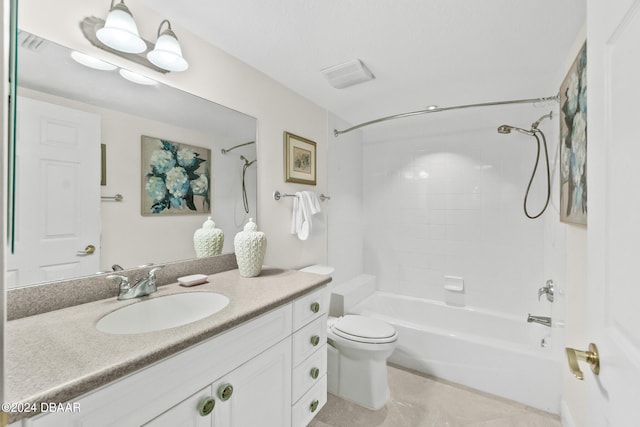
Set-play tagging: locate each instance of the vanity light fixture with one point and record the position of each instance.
(91, 62)
(120, 31)
(167, 53)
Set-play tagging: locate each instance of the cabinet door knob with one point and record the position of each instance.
(206, 405)
(315, 372)
(314, 405)
(225, 391)
(315, 340)
(315, 307)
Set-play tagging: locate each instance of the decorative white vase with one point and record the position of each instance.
(208, 240)
(250, 246)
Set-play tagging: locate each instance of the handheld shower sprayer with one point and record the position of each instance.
(506, 129)
(534, 131)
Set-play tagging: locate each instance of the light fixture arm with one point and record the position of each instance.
(168, 27)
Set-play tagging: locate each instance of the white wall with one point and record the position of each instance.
(216, 76)
(346, 218)
(443, 196)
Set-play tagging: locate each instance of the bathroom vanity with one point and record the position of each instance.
(261, 360)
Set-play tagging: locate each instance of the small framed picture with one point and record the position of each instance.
(299, 159)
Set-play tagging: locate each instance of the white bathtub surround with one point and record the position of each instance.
(485, 350)
(347, 294)
(443, 196)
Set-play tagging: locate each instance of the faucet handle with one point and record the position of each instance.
(153, 271)
(548, 290)
(123, 281)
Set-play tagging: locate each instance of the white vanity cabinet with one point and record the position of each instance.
(309, 358)
(275, 365)
(255, 394)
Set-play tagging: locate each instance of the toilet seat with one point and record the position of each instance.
(363, 329)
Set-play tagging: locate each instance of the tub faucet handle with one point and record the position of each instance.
(548, 290)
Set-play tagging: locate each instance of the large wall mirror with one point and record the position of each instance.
(79, 144)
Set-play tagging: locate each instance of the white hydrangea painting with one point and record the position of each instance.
(573, 142)
(176, 178)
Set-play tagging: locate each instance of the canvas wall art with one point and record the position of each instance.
(573, 142)
(176, 178)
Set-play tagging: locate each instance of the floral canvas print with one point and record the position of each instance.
(573, 142)
(175, 178)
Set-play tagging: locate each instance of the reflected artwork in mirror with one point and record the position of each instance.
(65, 111)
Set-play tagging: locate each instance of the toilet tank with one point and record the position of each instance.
(325, 270)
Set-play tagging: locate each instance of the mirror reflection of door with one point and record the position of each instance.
(58, 154)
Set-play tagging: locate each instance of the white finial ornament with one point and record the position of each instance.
(250, 246)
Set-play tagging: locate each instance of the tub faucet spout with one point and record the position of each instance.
(546, 321)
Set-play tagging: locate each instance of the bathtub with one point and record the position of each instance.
(487, 351)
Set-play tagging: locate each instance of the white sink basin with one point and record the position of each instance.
(161, 313)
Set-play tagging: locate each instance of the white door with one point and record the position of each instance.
(57, 194)
(614, 211)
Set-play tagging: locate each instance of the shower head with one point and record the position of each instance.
(505, 129)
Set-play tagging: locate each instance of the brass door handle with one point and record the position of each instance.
(590, 356)
(90, 249)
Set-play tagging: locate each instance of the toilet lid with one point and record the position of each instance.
(364, 329)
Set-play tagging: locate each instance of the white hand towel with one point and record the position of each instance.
(306, 204)
(296, 214)
(313, 202)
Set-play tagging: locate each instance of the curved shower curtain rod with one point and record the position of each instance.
(436, 109)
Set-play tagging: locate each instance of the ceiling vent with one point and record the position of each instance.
(348, 74)
(31, 42)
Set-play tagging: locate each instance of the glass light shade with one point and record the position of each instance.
(91, 62)
(167, 53)
(137, 78)
(120, 31)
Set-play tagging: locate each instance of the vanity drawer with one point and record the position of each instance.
(309, 307)
(309, 339)
(309, 373)
(310, 404)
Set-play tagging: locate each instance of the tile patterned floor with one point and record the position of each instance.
(422, 401)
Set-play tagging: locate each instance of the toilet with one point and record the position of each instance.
(358, 350)
(359, 347)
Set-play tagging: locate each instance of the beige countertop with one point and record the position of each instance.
(57, 356)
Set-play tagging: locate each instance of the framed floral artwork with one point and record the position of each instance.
(176, 178)
(299, 159)
(573, 142)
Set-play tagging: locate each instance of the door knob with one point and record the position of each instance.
(87, 251)
(590, 356)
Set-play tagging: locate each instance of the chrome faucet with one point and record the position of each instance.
(546, 321)
(144, 286)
